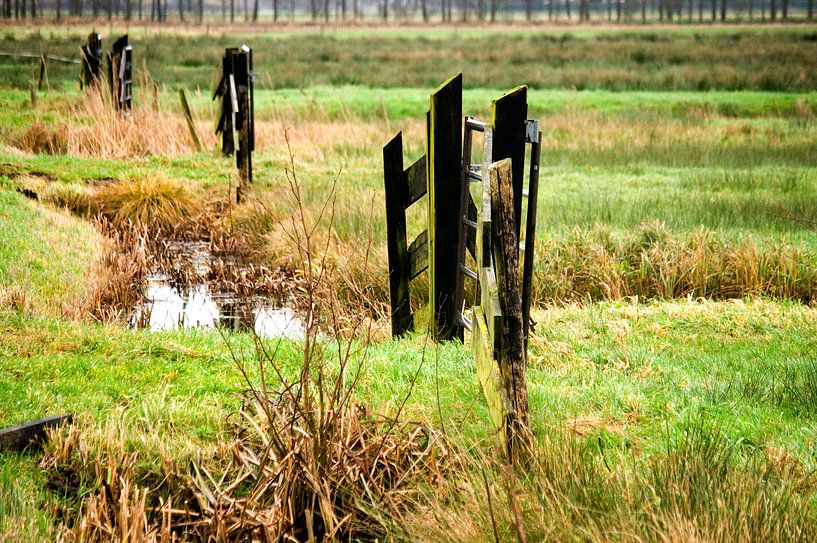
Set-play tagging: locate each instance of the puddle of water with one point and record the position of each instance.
(197, 306)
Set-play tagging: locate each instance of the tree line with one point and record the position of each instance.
(448, 11)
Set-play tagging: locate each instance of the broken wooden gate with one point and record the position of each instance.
(463, 200)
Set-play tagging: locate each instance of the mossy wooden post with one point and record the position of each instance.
(508, 115)
(497, 333)
(396, 195)
(512, 343)
(444, 213)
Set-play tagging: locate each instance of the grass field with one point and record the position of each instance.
(672, 375)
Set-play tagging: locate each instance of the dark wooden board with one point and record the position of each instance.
(509, 113)
(416, 181)
(444, 178)
(399, 265)
(18, 438)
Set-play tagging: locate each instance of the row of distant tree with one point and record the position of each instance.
(619, 11)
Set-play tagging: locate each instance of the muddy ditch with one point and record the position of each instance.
(186, 269)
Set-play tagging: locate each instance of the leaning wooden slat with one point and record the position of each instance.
(401, 317)
(188, 116)
(488, 371)
(18, 438)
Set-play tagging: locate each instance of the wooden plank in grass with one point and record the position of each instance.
(18, 438)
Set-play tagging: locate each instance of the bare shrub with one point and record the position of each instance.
(306, 460)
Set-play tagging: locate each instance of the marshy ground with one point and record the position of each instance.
(672, 374)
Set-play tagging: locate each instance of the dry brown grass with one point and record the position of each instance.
(119, 273)
(94, 128)
(41, 138)
(150, 199)
(16, 298)
(654, 262)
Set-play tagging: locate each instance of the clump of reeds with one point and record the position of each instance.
(41, 138)
(77, 199)
(151, 199)
(654, 262)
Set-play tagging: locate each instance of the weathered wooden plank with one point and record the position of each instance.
(399, 266)
(512, 345)
(444, 213)
(509, 115)
(489, 300)
(418, 254)
(416, 181)
(18, 438)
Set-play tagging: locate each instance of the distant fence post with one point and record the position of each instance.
(92, 61)
(120, 73)
(236, 122)
(188, 116)
(444, 213)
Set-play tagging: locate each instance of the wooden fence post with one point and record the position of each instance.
(188, 116)
(512, 343)
(444, 213)
(43, 74)
(92, 61)
(120, 73)
(236, 121)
